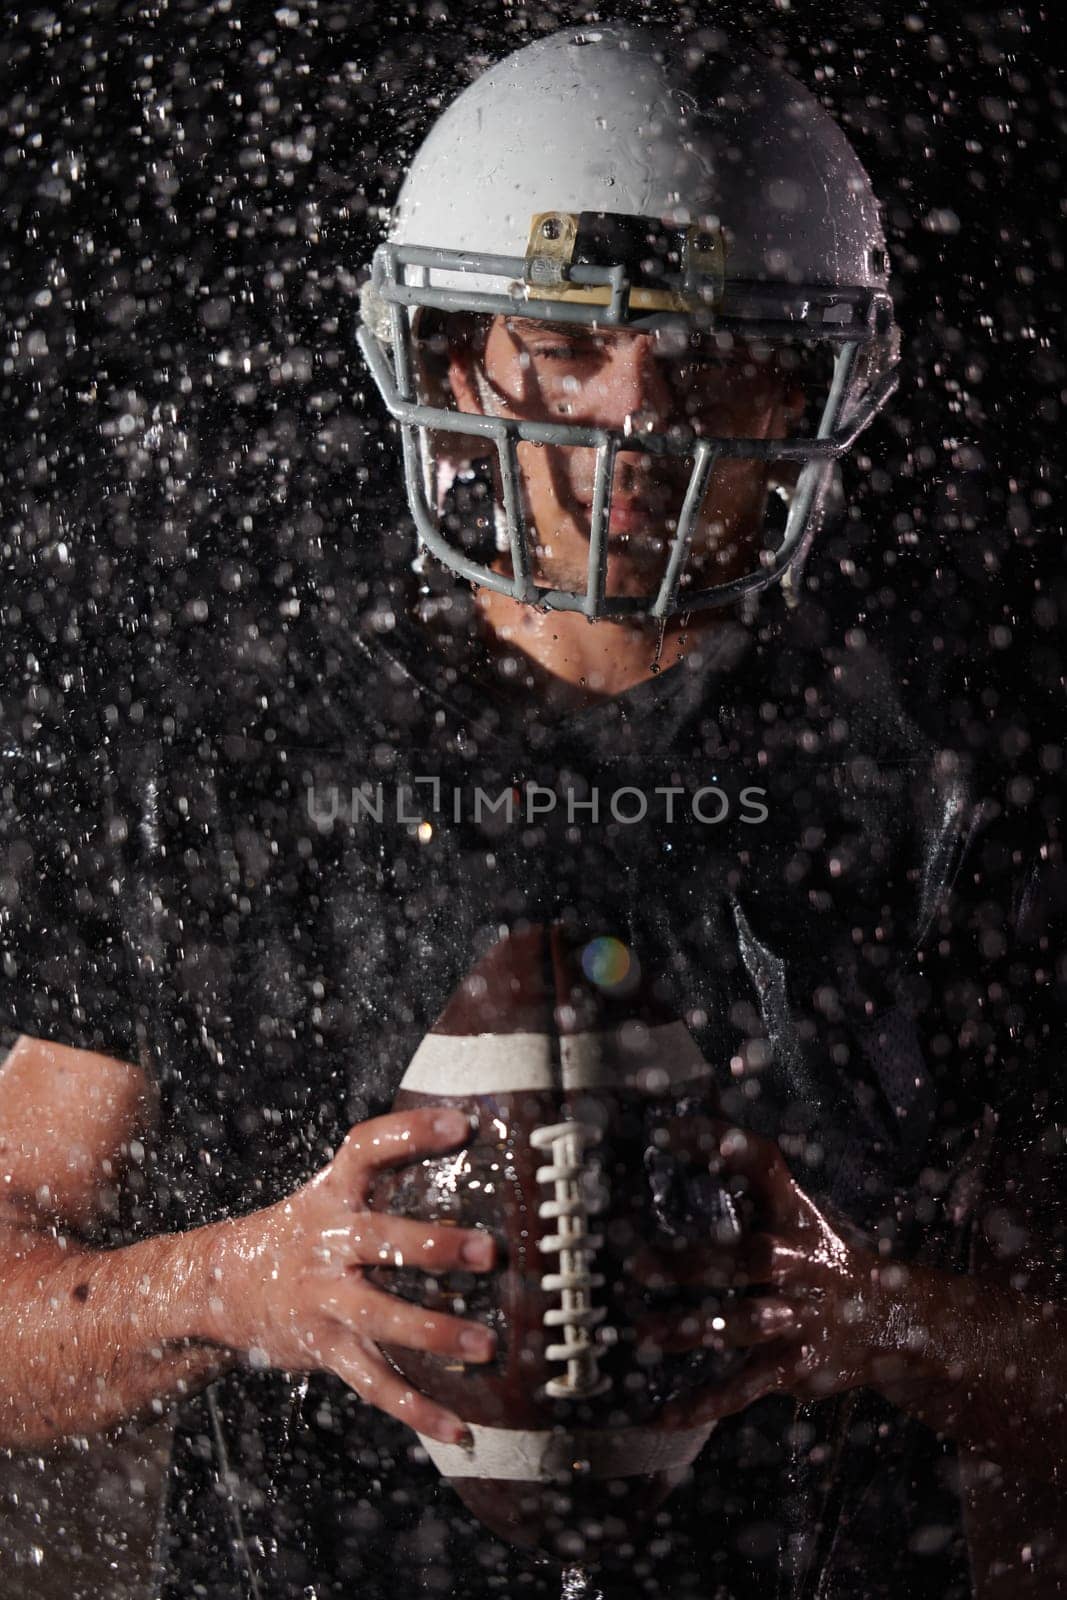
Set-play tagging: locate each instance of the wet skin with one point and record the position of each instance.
(291, 1281)
(826, 1312)
(654, 381)
(89, 1335)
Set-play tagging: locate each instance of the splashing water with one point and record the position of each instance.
(577, 1584)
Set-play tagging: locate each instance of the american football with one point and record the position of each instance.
(573, 1071)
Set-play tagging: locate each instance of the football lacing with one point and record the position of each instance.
(575, 1245)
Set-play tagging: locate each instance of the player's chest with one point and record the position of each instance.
(323, 869)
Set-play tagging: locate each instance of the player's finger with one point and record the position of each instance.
(400, 1137)
(719, 1328)
(386, 1319)
(767, 1259)
(762, 1374)
(760, 1163)
(378, 1238)
(365, 1370)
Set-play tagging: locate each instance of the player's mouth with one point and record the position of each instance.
(629, 516)
(632, 516)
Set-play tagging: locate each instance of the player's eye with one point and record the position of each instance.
(571, 351)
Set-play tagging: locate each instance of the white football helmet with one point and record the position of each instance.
(593, 177)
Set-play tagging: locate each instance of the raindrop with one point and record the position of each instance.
(577, 1584)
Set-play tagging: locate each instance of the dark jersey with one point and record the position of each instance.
(266, 887)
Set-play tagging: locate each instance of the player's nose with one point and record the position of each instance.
(636, 386)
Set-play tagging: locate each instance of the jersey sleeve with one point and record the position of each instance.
(65, 970)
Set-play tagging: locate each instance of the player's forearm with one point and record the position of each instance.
(988, 1367)
(89, 1337)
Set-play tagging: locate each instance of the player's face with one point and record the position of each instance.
(645, 382)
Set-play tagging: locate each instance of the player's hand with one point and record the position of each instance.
(818, 1315)
(290, 1285)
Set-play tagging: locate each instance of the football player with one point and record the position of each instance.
(632, 311)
